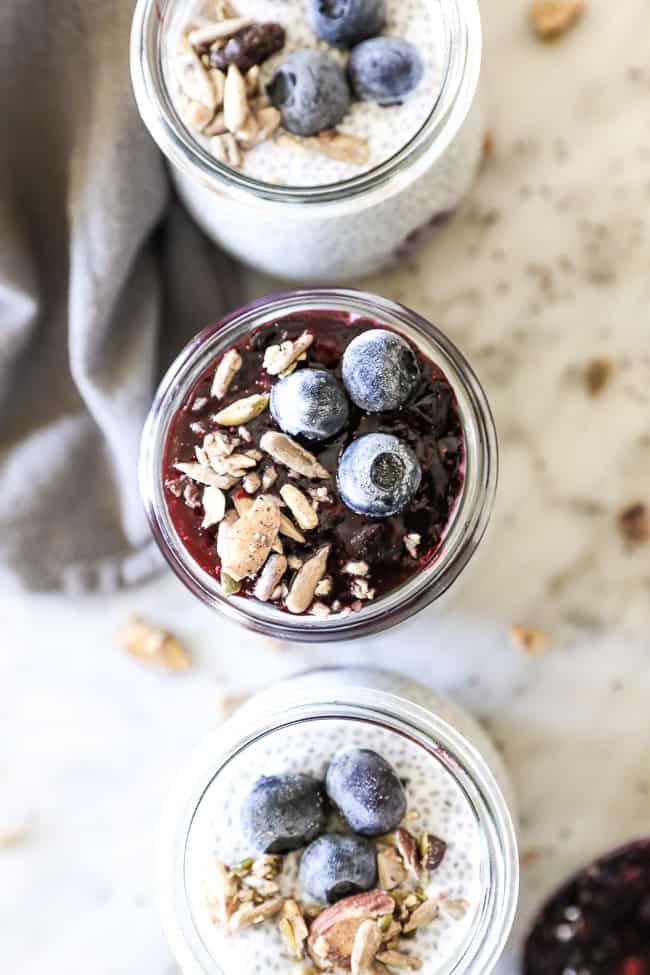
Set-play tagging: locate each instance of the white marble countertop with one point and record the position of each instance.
(545, 268)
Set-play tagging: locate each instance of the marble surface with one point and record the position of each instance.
(545, 268)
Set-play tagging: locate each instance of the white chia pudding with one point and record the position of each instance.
(379, 130)
(435, 805)
(334, 194)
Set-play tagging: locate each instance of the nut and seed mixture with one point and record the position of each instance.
(252, 911)
(221, 57)
(260, 510)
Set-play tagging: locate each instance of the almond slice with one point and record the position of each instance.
(286, 451)
(221, 891)
(277, 358)
(274, 568)
(248, 543)
(243, 410)
(304, 585)
(367, 943)
(214, 506)
(299, 506)
(225, 373)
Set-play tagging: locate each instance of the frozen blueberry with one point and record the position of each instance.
(346, 22)
(310, 403)
(335, 866)
(380, 371)
(366, 790)
(385, 69)
(310, 91)
(283, 812)
(378, 475)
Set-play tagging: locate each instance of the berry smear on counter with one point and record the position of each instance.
(316, 465)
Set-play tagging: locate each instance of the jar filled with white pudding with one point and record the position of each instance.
(313, 140)
(339, 821)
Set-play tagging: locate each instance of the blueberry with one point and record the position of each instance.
(283, 812)
(310, 403)
(310, 91)
(378, 475)
(344, 23)
(385, 69)
(335, 866)
(366, 790)
(380, 371)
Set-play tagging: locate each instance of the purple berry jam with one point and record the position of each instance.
(599, 922)
(393, 548)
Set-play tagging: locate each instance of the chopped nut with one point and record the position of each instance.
(399, 960)
(634, 522)
(219, 444)
(206, 475)
(293, 928)
(235, 100)
(222, 887)
(598, 374)
(321, 610)
(199, 403)
(529, 641)
(248, 543)
(214, 506)
(280, 592)
(274, 568)
(216, 127)
(390, 868)
(269, 477)
(153, 644)
(225, 149)
(286, 451)
(299, 506)
(250, 914)
(252, 80)
(356, 568)
(218, 79)
(304, 585)
(230, 364)
(361, 590)
(324, 587)
(367, 942)
(489, 145)
(333, 144)
(422, 915)
(266, 888)
(456, 907)
(289, 529)
(243, 410)
(252, 483)
(552, 18)
(295, 562)
(433, 851)
(277, 358)
(409, 850)
(247, 135)
(411, 543)
(194, 79)
(191, 495)
(269, 866)
(333, 932)
(268, 120)
(207, 35)
(196, 116)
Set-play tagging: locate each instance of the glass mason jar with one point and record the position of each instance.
(284, 721)
(468, 521)
(326, 233)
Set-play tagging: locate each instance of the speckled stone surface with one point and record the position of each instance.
(545, 268)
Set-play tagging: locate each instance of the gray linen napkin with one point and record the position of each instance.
(102, 279)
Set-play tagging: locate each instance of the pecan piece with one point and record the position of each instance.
(390, 868)
(304, 585)
(433, 851)
(243, 410)
(225, 373)
(409, 850)
(299, 506)
(333, 932)
(250, 46)
(274, 568)
(277, 358)
(248, 543)
(286, 451)
(367, 942)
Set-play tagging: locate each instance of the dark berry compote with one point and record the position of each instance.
(316, 464)
(599, 922)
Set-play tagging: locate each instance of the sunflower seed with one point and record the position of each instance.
(286, 451)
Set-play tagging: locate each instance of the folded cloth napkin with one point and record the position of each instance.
(102, 279)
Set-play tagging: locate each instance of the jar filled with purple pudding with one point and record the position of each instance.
(319, 465)
(314, 141)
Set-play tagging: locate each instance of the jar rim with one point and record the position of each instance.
(468, 521)
(460, 80)
(391, 712)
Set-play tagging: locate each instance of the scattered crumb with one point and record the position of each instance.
(531, 642)
(229, 701)
(634, 522)
(153, 645)
(553, 18)
(488, 145)
(598, 374)
(11, 837)
(530, 856)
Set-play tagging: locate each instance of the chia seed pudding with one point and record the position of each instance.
(334, 840)
(313, 139)
(333, 451)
